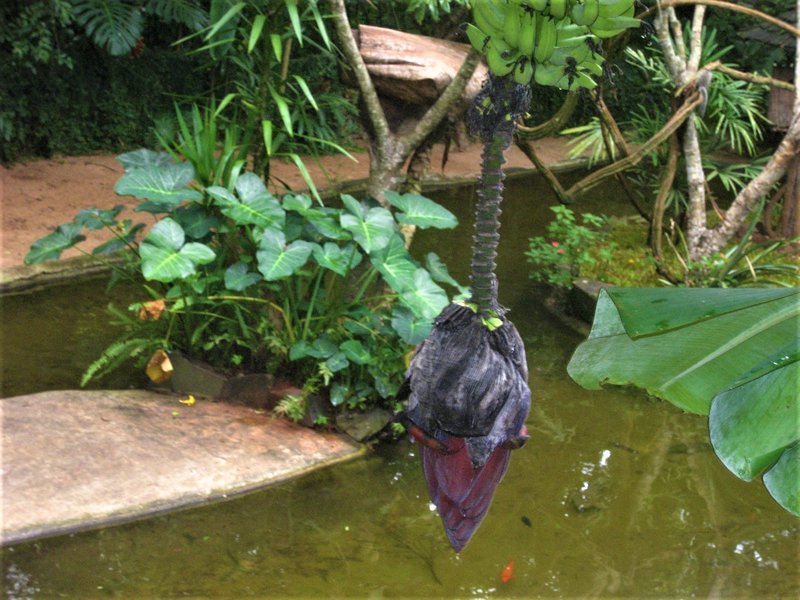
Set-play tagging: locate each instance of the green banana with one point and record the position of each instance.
(512, 25)
(523, 71)
(547, 74)
(592, 66)
(545, 38)
(614, 8)
(489, 16)
(539, 5)
(570, 82)
(558, 9)
(606, 27)
(477, 38)
(569, 34)
(500, 57)
(586, 13)
(527, 34)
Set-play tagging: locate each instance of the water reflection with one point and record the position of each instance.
(615, 495)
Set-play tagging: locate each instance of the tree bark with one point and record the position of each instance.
(388, 151)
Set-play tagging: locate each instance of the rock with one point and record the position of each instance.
(363, 425)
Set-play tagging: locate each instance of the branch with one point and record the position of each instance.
(675, 63)
(554, 124)
(350, 50)
(747, 199)
(444, 102)
(547, 173)
(676, 121)
(696, 44)
(729, 6)
(751, 77)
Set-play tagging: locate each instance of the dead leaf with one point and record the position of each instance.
(159, 367)
(151, 311)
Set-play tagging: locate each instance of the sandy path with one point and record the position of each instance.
(38, 195)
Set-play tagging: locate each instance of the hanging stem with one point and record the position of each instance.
(487, 219)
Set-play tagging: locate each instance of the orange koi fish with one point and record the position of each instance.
(508, 572)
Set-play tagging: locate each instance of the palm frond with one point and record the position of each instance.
(111, 24)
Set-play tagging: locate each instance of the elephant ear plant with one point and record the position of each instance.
(467, 390)
(246, 281)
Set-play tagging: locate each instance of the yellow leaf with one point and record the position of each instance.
(159, 368)
(189, 401)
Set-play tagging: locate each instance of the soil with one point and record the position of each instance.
(38, 195)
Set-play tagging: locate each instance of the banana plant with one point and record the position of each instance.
(730, 354)
(466, 385)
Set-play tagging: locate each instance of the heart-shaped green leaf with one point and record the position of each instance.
(164, 184)
(125, 235)
(96, 218)
(395, 265)
(337, 362)
(425, 298)
(262, 210)
(420, 211)
(196, 220)
(51, 246)
(297, 202)
(276, 259)
(371, 228)
(238, 277)
(166, 258)
(339, 260)
(144, 158)
(412, 329)
(440, 274)
(355, 352)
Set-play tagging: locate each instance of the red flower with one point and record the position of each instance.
(555, 244)
(561, 251)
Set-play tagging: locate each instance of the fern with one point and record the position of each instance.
(185, 12)
(116, 354)
(111, 24)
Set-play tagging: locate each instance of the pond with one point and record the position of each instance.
(615, 495)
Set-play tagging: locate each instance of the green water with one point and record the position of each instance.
(615, 495)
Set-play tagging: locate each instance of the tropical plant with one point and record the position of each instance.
(245, 280)
(730, 354)
(745, 263)
(250, 48)
(558, 257)
(117, 25)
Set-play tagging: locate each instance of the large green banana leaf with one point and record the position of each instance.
(732, 354)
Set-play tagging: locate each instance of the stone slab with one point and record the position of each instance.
(75, 460)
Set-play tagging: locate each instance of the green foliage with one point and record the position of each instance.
(281, 92)
(569, 247)
(327, 296)
(731, 354)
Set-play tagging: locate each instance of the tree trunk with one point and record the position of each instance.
(397, 66)
(789, 227)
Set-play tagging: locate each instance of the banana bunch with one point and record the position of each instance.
(552, 42)
(605, 18)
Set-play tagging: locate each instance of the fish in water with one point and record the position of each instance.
(508, 572)
(526, 521)
(468, 399)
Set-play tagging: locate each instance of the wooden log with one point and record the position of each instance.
(414, 68)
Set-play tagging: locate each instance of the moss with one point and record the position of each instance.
(632, 263)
